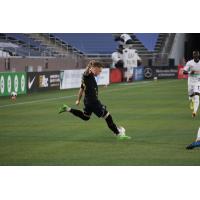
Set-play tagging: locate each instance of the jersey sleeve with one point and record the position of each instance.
(187, 67)
(83, 82)
(138, 57)
(115, 57)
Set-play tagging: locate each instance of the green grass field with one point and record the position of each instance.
(155, 114)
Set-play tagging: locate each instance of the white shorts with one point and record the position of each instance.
(193, 88)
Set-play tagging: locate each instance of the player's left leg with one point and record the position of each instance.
(196, 104)
(78, 113)
(100, 111)
(108, 118)
(196, 99)
(64, 108)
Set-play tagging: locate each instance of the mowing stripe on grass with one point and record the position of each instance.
(68, 97)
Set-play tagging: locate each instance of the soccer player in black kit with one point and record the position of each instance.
(91, 101)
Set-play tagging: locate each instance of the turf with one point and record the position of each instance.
(155, 114)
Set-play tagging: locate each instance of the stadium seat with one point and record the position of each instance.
(90, 43)
(147, 39)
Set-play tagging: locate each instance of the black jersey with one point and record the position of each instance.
(90, 87)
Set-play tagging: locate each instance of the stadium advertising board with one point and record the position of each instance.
(148, 73)
(72, 78)
(138, 73)
(41, 81)
(12, 82)
(165, 72)
(104, 77)
(116, 75)
(161, 72)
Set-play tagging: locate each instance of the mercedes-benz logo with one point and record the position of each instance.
(148, 72)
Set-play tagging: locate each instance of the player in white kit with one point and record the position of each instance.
(130, 59)
(192, 68)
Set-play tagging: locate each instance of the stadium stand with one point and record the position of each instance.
(78, 47)
(90, 43)
(26, 46)
(160, 41)
(148, 40)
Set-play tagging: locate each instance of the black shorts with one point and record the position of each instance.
(94, 107)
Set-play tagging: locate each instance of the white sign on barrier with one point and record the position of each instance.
(72, 78)
(104, 77)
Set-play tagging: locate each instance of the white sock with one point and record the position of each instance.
(68, 109)
(198, 135)
(196, 103)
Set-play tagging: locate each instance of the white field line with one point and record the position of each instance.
(37, 101)
(71, 96)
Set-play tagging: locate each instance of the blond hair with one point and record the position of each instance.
(92, 63)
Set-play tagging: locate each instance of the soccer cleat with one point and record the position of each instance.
(64, 108)
(192, 104)
(194, 115)
(193, 145)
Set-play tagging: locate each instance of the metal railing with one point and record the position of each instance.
(160, 59)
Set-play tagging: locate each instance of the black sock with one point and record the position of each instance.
(112, 125)
(79, 114)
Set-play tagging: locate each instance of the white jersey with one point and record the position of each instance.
(130, 58)
(193, 79)
(195, 67)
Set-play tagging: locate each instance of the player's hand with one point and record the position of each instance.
(77, 102)
(185, 72)
(195, 72)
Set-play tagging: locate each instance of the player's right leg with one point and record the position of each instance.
(196, 105)
(191, 96)
(78, 113)
(64, 108)
(196, 98)
(191, 103)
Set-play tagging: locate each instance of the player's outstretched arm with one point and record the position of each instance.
(80, 94)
